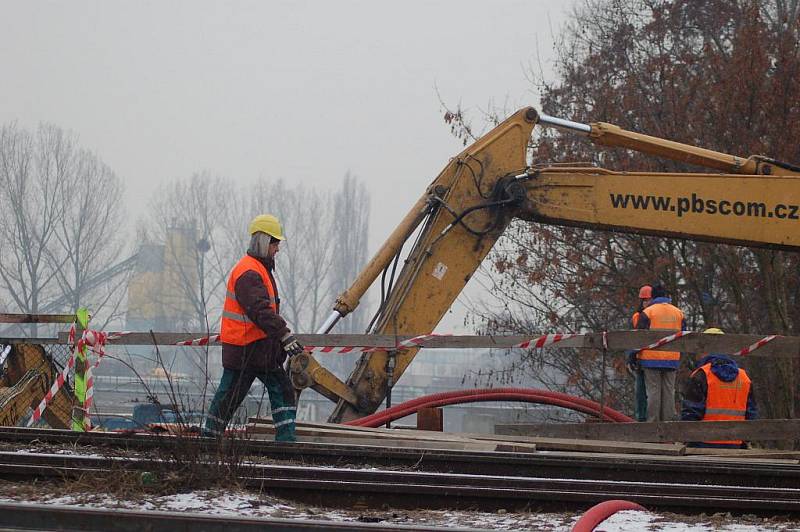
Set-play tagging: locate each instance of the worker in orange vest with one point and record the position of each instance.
(718, 390)
(640, 392)
(660, 367)
(255, 339)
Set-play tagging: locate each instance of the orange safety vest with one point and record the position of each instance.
(667, 317)
(726, 401)
(237, 329)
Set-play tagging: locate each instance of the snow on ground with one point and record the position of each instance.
(59, 452)
(646, 521)
(251, 504)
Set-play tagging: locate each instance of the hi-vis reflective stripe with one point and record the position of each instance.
(282, 423)
(725, 412)
(235, 316)
(284, 409)
(231, 295)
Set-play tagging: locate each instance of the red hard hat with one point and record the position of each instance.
(646, 292)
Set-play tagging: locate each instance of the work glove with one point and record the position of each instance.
(291, 346)
(632, 363)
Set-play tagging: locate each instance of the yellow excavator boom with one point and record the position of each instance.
(471, 202)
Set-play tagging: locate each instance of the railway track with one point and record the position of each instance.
(553, 464)
(415, 489)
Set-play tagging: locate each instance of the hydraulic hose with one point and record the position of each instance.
(527, 395)
(600, 512)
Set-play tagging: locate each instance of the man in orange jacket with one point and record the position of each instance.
(255, 339)
(718, 390)
(660, 367)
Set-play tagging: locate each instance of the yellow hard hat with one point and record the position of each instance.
(713, 330)
(267, 223)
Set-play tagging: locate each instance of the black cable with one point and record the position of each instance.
(781, 164)
(475, 179)
(458, 218)
(382, 303)
(381, 307)
(391, 277)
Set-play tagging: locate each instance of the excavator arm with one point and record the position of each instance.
(471, 202)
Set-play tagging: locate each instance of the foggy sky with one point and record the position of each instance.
(304, 91)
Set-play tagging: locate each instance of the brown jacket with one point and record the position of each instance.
(266, 353)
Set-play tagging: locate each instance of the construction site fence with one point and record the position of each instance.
(625, 340)
(689, 342)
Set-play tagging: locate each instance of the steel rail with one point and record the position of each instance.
(430, 490)
(57, 517)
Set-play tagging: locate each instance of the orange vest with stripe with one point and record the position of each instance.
(726, 401)
(667, 317)
(237, 329)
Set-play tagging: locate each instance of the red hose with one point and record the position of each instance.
(528, 395)
(600, 512)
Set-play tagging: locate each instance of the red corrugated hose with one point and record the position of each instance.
(600, 512)
(526, 395)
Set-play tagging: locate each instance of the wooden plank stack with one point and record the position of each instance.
(406, 438)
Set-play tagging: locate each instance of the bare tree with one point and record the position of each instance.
(669, 68)
(304, 261)
(321, 228)
(351, 204)
(89, 236)
(32, 170)
(56, 222)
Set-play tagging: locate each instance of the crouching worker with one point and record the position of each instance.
(718, 390)
(255, 339)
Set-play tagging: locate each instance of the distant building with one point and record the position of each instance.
(163, 297)
(164, 284)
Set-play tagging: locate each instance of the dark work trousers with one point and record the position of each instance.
(233, 388)
(640, 401)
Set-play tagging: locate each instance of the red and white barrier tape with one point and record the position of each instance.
(94, 341)
(749, 349)
(341, 350)
(417, 341)
(57, 384)
(214, 338)
(665, 340)
(543, 341)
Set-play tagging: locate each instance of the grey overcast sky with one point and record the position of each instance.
(302, 90)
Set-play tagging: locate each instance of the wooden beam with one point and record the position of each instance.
(20, 340)
(670, 431)
(37, 318)
(783, 346)
(599, 446)
(431, 419)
